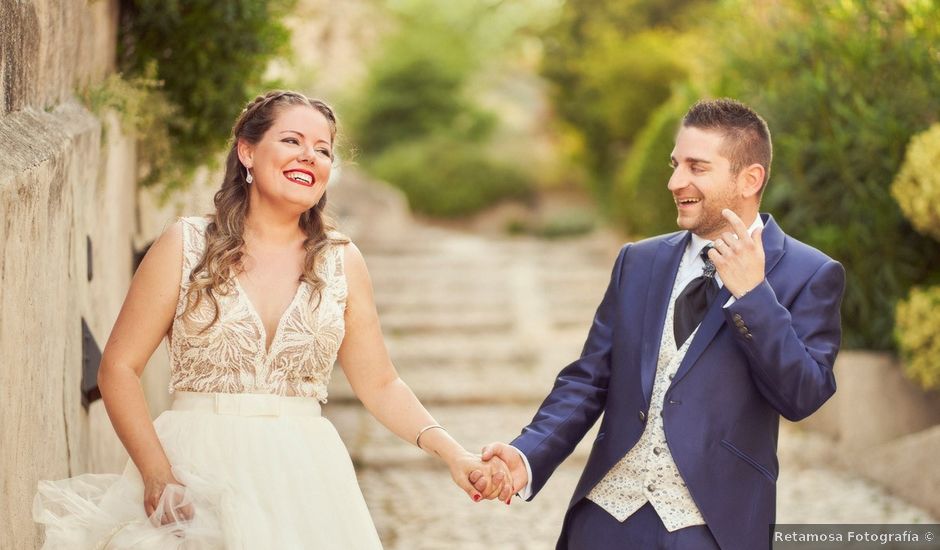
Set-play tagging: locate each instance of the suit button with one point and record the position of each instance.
(657, 450)
(742, 330)
(642, 416)
(737, 317)
(651, 487)
(748, 336)
(738, 323)
(672, 376)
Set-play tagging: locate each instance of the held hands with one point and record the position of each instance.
(507, 456)
(490, 479)
(738, 257)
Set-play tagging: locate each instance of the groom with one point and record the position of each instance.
(703, 340)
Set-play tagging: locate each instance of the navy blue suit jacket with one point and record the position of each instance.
(769, 354)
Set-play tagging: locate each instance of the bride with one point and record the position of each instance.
(257, 302)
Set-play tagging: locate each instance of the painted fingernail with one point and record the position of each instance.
(476, 498)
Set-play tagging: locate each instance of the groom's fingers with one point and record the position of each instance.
(737, 225)
(497, 450)
(496, 485)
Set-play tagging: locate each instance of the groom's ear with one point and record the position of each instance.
(751, 180)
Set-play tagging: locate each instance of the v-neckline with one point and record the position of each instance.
(254, 313)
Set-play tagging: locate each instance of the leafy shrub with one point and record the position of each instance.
(443, 177)
(918, 336)
(572, 223)
(210, 57)
(917, 185)
(641, 204)
(917, 190)
(611, 63)
(416, 123)
(415, 88)
(143, 108)
(844, 85)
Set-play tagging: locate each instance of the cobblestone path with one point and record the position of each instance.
(479, 327)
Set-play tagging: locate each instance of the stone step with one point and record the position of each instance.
(479, 385)
(373, 446)
(441, 287)
(479, 322)
(457, 350)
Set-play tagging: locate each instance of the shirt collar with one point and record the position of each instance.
(698, 243)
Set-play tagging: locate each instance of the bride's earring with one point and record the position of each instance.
(249, 178)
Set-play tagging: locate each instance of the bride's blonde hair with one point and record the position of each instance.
(225, 232)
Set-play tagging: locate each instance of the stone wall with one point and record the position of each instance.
(66, 178)
(884, 427)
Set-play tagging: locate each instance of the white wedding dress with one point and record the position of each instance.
(259, 465)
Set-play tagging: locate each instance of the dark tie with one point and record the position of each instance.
(694, 300)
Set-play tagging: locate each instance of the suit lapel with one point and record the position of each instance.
(772, 239)
(662, 278)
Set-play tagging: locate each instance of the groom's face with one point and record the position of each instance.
(702, 184)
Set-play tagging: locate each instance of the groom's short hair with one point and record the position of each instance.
(745, 136)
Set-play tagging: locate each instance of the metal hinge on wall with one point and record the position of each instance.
(91, 358)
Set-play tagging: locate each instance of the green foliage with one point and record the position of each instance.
(641, 204)
(567, 224)
(210, 57)
(917, 190)
(143, 109)
(611, 63)
(918, 336)
(844, 85)
(917, 185)
(448, 178)
(415, 88)
(572, 222)
(418, 121)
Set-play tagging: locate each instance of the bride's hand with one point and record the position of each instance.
(491, 476)
(165, 500)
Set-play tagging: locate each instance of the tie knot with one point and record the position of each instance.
(708, 269)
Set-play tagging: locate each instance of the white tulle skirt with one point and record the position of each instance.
(259, 471)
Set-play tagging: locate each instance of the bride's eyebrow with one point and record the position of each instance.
(303, 136)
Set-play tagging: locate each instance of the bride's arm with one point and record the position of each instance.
(376, 383)
(144, 319)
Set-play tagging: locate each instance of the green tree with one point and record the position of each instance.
(844, 86)
(612, 63)
(641, 204)
(418, 120)
(210, 57)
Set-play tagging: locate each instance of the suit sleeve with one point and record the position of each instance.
(791, 352)
(579, 394)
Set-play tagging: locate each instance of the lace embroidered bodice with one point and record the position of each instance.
(230, 356)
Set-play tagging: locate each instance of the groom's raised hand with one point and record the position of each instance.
(513, 459)
(738, 257)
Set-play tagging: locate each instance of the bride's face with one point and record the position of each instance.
(291, 164)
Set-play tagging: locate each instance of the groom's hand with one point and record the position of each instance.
(738, 257)
(513, 459)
